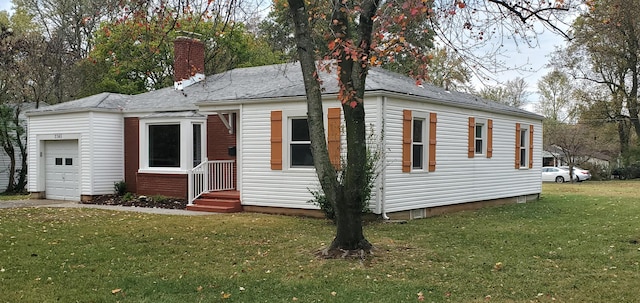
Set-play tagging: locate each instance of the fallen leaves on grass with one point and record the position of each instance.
(498, 266)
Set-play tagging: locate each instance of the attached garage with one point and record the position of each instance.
(62, 170)
(79, 153)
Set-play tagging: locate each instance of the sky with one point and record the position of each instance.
(532, 62)
(5, 5)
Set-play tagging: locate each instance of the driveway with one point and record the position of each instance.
(73, 204)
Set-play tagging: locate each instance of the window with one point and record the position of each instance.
(418, 141)
(523, 147)
(479, 139)
(164, 145)
(417, 144)
(197, 144)
(300, 143)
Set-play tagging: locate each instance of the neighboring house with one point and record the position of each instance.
(245, 131)
(554, 156)
(5, 167)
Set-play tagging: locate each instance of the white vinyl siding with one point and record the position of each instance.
(289, 187)
(457, 178)
(101, 152)
(107, 159)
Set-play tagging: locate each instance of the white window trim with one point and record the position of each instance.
(286, 153)
(203, 142)
(424, 116)
(484, 138)
(186, 144)
(524, 137)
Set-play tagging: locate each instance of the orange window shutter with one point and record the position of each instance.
(276, 140)
(489, 138)
(517, 145)
(472, 138)
(433, 121)
(333, 136)
(530, 146)
(407, 117)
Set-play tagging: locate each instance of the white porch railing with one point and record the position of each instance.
(210, 176)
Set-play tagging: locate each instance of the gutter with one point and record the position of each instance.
(381, 183)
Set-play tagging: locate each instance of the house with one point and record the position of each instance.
(244, 132)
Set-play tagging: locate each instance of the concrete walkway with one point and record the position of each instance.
(73, 204)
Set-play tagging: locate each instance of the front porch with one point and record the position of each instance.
(212, 187)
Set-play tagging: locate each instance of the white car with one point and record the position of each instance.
(581, 174)
(555, 174)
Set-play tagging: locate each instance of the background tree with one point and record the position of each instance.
(513, 93)
(447, 70)
(68, 28)
(555, 101)
(20, 47)
(604, 54)
(576, 143)
(135, 54)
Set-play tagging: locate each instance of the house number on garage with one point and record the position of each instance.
(57, 136)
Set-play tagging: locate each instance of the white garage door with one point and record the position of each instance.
(62, 170)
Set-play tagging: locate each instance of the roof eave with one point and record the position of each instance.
(372, 93)
(72, 111)
(411, 97)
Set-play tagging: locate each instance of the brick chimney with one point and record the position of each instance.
(188, 63)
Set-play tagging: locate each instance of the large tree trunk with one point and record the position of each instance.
(346, 198)
(21, 184)
(8, 149)
(6, 142)
(349, 233)
(623, 135)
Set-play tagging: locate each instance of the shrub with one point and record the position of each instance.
(128, 197)
(159, 199)
(120, 188)
(374, 154)
(598, 172)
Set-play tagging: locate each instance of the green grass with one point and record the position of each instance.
(7, 197)
(578, 243)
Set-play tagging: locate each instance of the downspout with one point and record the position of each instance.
(383, 165)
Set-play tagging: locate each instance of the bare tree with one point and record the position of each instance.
(574, 142)
(513, 93)
(555, 101)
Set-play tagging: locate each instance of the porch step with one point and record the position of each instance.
(219, 202)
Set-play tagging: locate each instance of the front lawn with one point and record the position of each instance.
(578, 243)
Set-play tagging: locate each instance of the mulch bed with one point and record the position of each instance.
(140, 201)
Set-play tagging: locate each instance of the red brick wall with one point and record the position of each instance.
(188, 58)
(170, 185)
(219, 140)
(131, 152)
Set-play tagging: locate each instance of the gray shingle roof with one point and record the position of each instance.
(268, 82)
